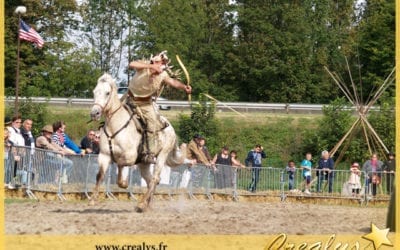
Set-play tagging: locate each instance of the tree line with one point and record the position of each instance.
(256, 51)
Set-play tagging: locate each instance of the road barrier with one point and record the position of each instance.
(183, 105)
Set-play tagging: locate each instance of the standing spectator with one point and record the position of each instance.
(45, 142)
(306, 166)
(88, 143)
(9, 154)
(196, 154)
(235, 162)
(389, 170)
(203, 147)
(354, 179)
(194, 151)
(254, 157)
(222, 163)
(26, 132)
(325, 171)
(373, 168)
(60, 138)
(291, 170)
(18, 141)
(15, 131)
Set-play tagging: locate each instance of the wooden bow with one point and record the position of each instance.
(186, 75)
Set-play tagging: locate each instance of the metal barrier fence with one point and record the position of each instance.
(42, 170)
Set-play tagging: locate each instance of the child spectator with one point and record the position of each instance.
(306, 166)
(354, 179)
(290, 170)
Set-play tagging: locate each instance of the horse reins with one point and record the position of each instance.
(109, 138)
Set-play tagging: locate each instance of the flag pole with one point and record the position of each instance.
(19, 10)
(17, 71)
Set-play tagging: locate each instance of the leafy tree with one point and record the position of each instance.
(51, 71)
(384, 122)
(376, 44)
(199, 31)
(38, 112)
(283, 47)
(106, 26)
(331, 128)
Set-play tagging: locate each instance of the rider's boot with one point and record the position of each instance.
(149, 156)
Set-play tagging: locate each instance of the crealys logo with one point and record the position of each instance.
(375, 239)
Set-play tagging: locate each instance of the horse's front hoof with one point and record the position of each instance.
(123, 184)
(140, 208)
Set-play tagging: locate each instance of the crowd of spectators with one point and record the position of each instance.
(319, 174)
(18, 138)
(224, 164)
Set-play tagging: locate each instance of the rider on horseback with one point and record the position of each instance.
(144, 88)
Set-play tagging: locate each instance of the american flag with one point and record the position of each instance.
(29, 34)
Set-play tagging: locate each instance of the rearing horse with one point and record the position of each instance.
(121, 139)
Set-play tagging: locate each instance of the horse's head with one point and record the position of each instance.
(104, 93)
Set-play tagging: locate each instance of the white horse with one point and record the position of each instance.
(121, 139)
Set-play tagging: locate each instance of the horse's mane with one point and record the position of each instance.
(107, 78)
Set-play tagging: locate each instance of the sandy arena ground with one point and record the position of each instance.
(182, 216)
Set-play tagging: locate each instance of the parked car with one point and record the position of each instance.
(122, 90)
(163, 106)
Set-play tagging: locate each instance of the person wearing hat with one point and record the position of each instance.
(194, 151)
(389, 168)
(44, 141)
(144, 88)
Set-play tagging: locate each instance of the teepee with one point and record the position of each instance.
(372, 139)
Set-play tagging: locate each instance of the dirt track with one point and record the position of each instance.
(182, 216)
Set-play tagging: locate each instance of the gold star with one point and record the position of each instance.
(378, 236)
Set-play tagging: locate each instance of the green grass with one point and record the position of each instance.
(17, 200)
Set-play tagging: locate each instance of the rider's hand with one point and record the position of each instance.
(188, 89)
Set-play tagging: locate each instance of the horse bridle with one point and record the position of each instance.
(105, 105)
(110, 137)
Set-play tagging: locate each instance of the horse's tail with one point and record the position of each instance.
(177, 156)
